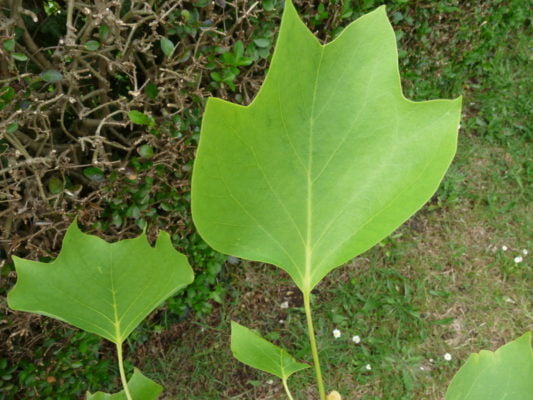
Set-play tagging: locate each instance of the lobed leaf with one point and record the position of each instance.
(141, 388)
(329, 158)
(254, 351)
(506, 374)
(103, 288)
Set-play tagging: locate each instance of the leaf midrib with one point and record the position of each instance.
(116, 319)
(309, 207)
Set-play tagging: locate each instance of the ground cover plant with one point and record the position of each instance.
(455, 276)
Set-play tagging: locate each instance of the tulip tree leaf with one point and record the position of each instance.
(103, 288)
(504, 374)
(254, 351)
(329, 158)
(141, 388)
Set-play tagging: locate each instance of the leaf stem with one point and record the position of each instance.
(122, 373)
(289, 395)
(314, 351)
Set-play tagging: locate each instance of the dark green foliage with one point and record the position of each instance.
(61, 366)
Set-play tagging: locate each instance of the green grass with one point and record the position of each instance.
(440, 284)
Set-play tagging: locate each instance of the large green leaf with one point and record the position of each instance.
(329, 158)
(506, 374)
(103, 288)
(141, 388)
(251, 349)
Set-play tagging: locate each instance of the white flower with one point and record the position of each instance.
(422, 368)
(285, 304)
(448, 357)
(431, 360)
(281, 321)
(504, 248)
(368, 367)
(270, 382)
(336, 333)
(518, 259)
(524, 252)
(356, 339)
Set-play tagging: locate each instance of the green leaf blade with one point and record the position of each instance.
(329, 158)
(141, 388)
(504, 374)
(9, 45)
(12, 127)
(103, 288)
(140, 118)
(92, 45)
(94, 174)
(51, 76)
(19, 56)
(256, 352)
(167, 46)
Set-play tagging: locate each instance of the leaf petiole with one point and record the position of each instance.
(289, 395)
(122, 373)
(312, 341)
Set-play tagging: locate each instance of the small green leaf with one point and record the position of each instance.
(55, 185)
(506, 373)
(133, 212)
(269, 5)
(103, 31)
(146, 151)
(167, 46)
(238, 49)
(139, 118)
(9, 45)
(51, 76)
(12, 128)
(7, 93)
(216, 76)
(92, 45)
(100, 287)
(151, 90)
(262, 42)
(141, 388)
(94, 174)
(19, 56)
(186, 15)
(117, 220)
(251, 349)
